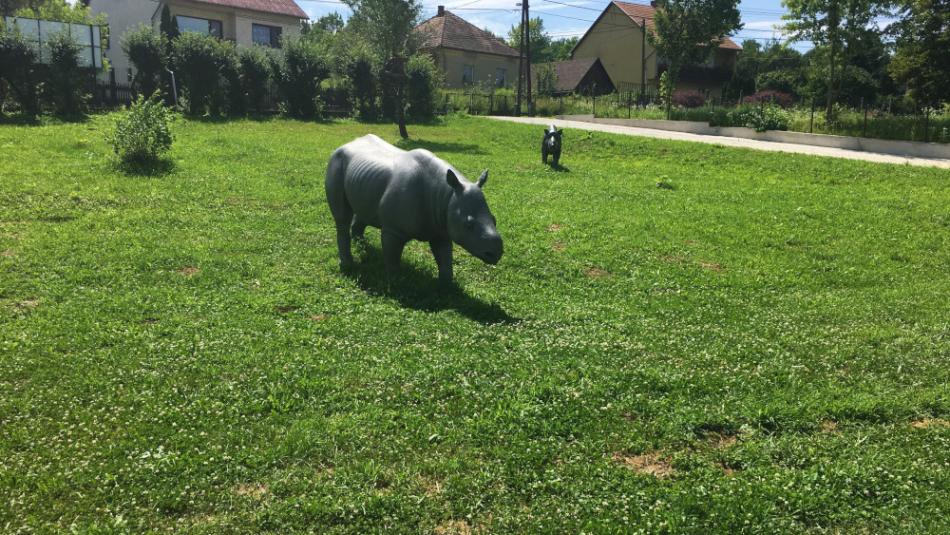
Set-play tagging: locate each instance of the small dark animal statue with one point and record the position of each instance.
(409, 196)
(551, 145)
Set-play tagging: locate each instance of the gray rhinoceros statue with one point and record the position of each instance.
(408, 196)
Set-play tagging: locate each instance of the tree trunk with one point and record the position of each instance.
(834, 20)
(396, 75)
(401, 116)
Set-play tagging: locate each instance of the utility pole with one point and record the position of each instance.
(643, 60)
(526, 31)
(520, 63)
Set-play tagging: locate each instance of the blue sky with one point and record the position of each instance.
(760, 16)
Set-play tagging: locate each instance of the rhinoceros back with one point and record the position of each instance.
(383, 184)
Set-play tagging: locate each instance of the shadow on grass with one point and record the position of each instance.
(151, 169)
(20, 120)
(439, 146)
(414, 288)
(558, 168)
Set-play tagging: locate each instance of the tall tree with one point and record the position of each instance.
(388, 26)
(922, 56)
(561, 48)
(540, 41)
(830, 24)
(687, 31)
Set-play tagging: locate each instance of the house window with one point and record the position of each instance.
(468, 74)
(501, 77)
(265, 35)
(193, 24)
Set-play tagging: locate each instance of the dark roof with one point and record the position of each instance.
(280, 7)
(569, 72)
(644, 13)
(451, 31)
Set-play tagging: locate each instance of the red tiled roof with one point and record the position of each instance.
(451, 31)
(279, 7)
(644, 13)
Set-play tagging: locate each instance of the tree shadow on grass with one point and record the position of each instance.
(147, 169)
(560, 168)
(440, 146)
(417, 289)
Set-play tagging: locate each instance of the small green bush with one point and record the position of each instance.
(145, 48)
(196, 60)
(761, 118)
(422, 83)
(143, 133)
(18, 70)
(299, 71)
(255, 76)
(65, 87)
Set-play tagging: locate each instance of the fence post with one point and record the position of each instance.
(926, 125)
(112, 88)
(491, 103)
(811, 117)
(864, 129)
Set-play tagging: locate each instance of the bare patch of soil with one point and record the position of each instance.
(453, 527)
(256, 491)
(285, 309)
(28, 304)
(721, 440)
(8, 253)
(318, 317)
(596, 273)
(712, 266)
(431, 487)
(674, 259)
(554, 227)
(930, 422)
(828, 426)
(188, 271)
(650, 463)
(557, 246)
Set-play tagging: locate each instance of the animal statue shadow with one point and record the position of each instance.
(551, 146)
(409, 196)
(414, 287)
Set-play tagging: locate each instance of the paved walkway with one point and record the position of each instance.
(732, 141)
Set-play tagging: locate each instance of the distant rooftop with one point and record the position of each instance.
(448, 30)
(279, 7)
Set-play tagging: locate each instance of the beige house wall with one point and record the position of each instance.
(452, 64)
(618, 42)
(236, 23)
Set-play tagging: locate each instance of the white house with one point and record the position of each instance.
(245, 22)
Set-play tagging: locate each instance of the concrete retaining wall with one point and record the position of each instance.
(915, 149)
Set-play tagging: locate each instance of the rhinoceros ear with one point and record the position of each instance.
(453, 180)
(482, 179)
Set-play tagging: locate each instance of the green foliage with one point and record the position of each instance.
(546, 79)
(19, 70)
(422, 84)
(561, 48)
(298, 72)
(760, 118)
(666, 89)
(146, 50)
(541, 51)
(142, 133)
(197, 63)
(255, 75)
(168, 26)
(921, 59)
(231, 99)
(687, 31)
(66, 83)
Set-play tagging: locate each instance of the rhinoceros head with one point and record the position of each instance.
(470, 222)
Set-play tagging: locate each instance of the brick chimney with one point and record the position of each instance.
(441, 12)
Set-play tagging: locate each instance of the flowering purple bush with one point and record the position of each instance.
(688, 98)
(769, 96)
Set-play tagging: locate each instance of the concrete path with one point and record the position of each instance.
(732, 141)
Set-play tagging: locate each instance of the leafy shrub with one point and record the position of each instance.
(18, 70)
(422, 82)
(255, 75)
(298, 72)
(145, 48)
(65, 84)
(546, 79)
(770, 97)
(688, 98)
(143, 134)
(760, 118)
(360, 68)
(196, 60)
(783, 81)
(229, 98)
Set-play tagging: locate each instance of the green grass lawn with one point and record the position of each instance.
(761, 345)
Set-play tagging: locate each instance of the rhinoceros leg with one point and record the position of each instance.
(392, 250)
(442, 251)
(343, 245)
(358, 229)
